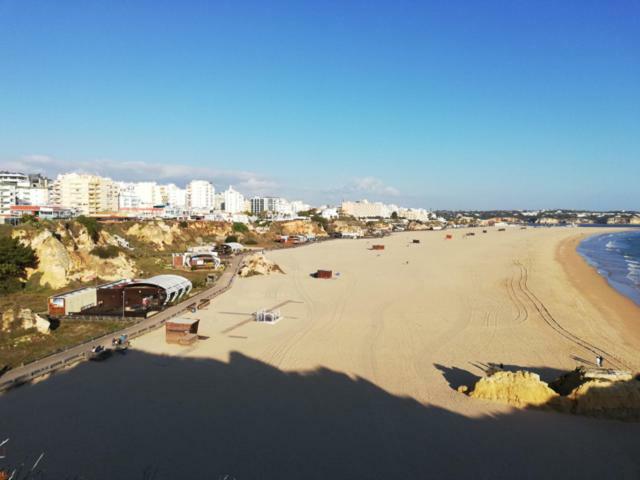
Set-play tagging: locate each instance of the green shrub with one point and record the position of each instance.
(240, 227)
(183, 224)
(108, 251)
(92, 226)
(15, 258)
(231, 238)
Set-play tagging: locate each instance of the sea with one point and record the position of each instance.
(616, 256)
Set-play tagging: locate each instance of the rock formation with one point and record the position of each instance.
(604, 393)
(340, 226)
(162, 234)
(520, 389)
(66, 256)
(299, 227)
(8, 317)
(28, 320)
(258, 264)
(24, 320)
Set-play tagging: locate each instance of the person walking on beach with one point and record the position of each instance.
(599, 361)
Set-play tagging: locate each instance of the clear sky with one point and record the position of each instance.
(477, 104)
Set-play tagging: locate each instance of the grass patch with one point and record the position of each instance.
(26, 346)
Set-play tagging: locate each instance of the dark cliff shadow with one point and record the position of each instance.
(189, 418)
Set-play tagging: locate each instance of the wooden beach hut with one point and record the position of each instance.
(183, 331)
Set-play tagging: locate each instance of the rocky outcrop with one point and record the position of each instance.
(258, 264)
(8, 319)
(159, 234)
(340, 226)
(24, 320)
(612, 394)
(520, 389)
(617, 400)
(299, 227)
(415, 226)
(29, 320)
(162, 234)
(65, 256)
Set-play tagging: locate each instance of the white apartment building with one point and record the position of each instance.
(86, 194)
(299, 206)
(127, 197)
(270, 204)
(32, 196)
(21, 189)
(418, 214)
(366, 209)
(176, 196)
(233, 200)
(200, 195)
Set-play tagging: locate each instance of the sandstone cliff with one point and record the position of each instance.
(298, 227)
(65, 255)
(164, 235)
(25, 319)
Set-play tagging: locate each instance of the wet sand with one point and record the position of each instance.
(358, 379)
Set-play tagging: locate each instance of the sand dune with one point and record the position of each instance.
(358, 380)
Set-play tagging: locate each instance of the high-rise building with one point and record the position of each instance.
(275, 205)
(176, 196)
(233, 200)
(86, 194)
(20, 189)
(200, 195)
(366, 209)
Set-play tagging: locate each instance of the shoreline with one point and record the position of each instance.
(620, 311)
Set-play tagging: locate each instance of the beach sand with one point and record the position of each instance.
(358, 379)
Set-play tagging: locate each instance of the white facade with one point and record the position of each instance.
(148, 193)
(7, 198)
(176, 196)
(21, 189)
(419, 214)
(366, 209)
(233, 200)
(127, 197)
(329, 213)
(299, 206)
(32, 196)
(200, 195)
(86, 194)
(276, 205)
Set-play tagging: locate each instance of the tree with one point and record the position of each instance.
(394, 215)
(15, 258)
(240, 227)
(92, 226)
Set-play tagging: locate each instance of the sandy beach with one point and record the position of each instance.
(358, 379)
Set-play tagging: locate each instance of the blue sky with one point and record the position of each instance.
(508, 104)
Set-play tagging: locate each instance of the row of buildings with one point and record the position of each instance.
(365, 209)
(84, 194)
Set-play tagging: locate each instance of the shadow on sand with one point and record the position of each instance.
(188, 418)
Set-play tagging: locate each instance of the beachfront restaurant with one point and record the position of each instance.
(125, 298)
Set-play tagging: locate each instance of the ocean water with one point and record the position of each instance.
(616, 256)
